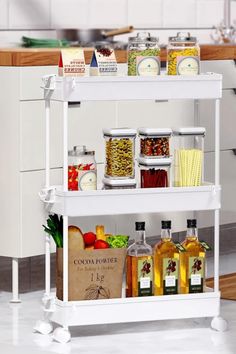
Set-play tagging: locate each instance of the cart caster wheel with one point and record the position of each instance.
(43, 327)
(219, 324)
(61, 335)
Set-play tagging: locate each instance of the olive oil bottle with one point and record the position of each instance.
(192, 261)
(139, 271)
(166, 263)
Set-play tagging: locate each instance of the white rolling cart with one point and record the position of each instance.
(113, 202)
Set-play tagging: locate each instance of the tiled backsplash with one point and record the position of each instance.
(46, 14)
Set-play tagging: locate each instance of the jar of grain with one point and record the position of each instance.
(119, 145)
(183, 55)
(143, 55)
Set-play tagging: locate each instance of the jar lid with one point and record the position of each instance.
(183, 37)
(71, 153)
(190, 131)
(119, 132)
(155, 132)
(79, 149)
(142, 37)
(119, 182)
(153, 161)
(89, 152)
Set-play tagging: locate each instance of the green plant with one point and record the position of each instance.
(55, 229)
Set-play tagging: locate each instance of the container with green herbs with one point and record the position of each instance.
(119, 146)
(143, 55)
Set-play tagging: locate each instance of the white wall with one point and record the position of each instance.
(33, 14)
(50, 14)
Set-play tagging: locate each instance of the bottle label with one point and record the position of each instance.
(205, 245)
(145, 277)
(87, 180)
(188, 65)
(170, 276)
(147, 66)
(196, 274)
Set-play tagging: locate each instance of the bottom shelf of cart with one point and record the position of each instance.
(75, 313)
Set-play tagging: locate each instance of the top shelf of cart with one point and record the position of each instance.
(163, 87)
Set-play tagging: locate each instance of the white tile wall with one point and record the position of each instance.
(107, 13)
(213, 7)
(150, 14)
(179, 13)
(3, 14)
(69, 13)
(145, 13)
(29, 14)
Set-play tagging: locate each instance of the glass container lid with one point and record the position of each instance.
(119, 132)
(143, 37)
(154, 162)
(190, 131)
(155, 132)
(183, 37)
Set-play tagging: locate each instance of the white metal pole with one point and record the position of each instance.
(65, 188)
(47, 182)
(217, 182)
(15, 280)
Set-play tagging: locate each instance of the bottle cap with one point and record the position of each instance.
(140, 226)
(191, 223)
(166, 224)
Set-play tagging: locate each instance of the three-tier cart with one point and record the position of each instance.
(113, 202)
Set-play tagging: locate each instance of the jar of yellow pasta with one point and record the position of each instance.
(120, 150)
(183, 55)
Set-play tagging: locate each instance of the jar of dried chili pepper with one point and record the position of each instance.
(154, 173)
(82, 170)
(154, 142)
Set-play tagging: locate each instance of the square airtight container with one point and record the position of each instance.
(189, 156)
(154, 142)
(154, 173)
(120, 151)
(128, 183)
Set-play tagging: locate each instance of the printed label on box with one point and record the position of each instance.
(103, 63)
(72, 62)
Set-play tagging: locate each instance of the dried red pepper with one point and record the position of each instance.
(154, 178)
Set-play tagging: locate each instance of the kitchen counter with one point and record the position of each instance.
(50, 56)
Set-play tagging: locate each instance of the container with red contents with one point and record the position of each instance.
(82, 171)
(155, 142)
(154, 173)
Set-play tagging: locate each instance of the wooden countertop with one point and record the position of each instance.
(50, 56)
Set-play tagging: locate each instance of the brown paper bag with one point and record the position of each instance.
(95, 274)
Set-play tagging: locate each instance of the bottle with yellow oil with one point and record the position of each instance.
(139, 271)
(166, 263)
(192, 261)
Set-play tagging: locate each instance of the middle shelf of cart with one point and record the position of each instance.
(138, 200)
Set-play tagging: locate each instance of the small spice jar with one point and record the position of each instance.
(154, 142)
(119, 183)
(183, 55)
(82, 170)
(189, 153)
(120, 144)
(143, 55)
(154, 173)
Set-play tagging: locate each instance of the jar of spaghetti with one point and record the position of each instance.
(119, 144)
(189, 156)
(183, 55)
(154, 173)
(154, 142)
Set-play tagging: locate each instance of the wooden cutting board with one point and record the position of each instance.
(227, 286)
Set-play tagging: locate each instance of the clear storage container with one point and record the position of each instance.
(154, 142)
(119, 183)
(189, 154)
(82, 170)
(154, 173)
(183, 55)
(120, 145)
(143, 55)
